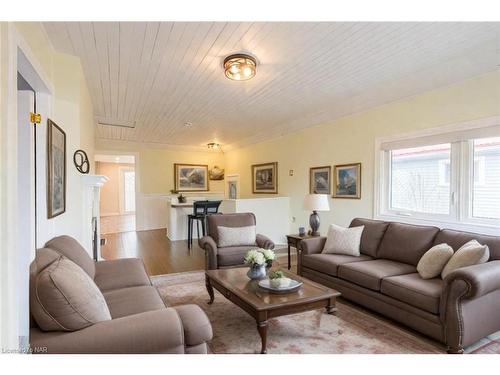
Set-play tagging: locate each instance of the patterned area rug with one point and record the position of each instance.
(352, 331)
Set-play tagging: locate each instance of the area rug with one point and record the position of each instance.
(351, 331)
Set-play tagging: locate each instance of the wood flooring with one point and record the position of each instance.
(160, 255)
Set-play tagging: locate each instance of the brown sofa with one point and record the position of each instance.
(219, 257)
(457, 311)
(141, 323)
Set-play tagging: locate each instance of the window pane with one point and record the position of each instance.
(486, 191)
(420, 179)
(129, 191)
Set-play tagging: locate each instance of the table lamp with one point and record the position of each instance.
(314, 203)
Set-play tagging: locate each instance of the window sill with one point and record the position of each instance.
(448, 224)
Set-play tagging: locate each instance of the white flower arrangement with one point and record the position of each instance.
(268, 254)
(254, 257)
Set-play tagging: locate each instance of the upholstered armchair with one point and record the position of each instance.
(220, 257)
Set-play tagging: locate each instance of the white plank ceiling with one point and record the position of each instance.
(164, 74)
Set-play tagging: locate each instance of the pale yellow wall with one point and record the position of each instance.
(352, 139)
(71, 109)
(156, 165)
(110, 191)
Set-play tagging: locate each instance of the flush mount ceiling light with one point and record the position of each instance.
(213, 145)
(240, 67)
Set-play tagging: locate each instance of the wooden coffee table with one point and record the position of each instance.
(235, 285)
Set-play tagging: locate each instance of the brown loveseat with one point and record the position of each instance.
(218, 257)
(457, 311)
(141, 323)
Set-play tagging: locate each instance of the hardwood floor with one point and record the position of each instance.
(160, 255)
(117, 223)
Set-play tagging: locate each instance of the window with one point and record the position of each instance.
(486, 188)
(451, 177)
(420, 179)
(129, 190)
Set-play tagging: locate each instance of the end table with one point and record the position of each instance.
(293, 240)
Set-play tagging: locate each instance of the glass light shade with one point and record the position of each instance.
(316, 202)
(240, 67)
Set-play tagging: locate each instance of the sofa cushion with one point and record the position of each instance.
(240, 236)
(456, 239)
(415, 291)
(370, 273)
(66, 298)
(406, 243)
(120, 273)
(228, 220)
(71, 249)
(372, 234)
(470, 254)
(433, 261)
(329, 263)
(343, 240)
(134, 300)
(232, 256)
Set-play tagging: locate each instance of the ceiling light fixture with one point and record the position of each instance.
(213, 145)
(240, 67)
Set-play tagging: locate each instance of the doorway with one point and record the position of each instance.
(118, 195)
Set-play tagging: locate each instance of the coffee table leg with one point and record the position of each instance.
(262, 327)
(331, 307)
(210, 290)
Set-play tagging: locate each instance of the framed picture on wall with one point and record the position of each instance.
(320, 180)
(191, 177)
(56, 170)
(265, 178)
(347, 181)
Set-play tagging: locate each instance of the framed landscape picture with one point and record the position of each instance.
(191, 177)
(56, 170)
(347, 181)
(320, 180)
(265, 178)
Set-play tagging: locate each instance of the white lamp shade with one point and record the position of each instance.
(316, 202)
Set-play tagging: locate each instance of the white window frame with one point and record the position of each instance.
(460, 215)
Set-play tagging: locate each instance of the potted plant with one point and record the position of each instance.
(269, 255)
(257, 263)
(278, 280)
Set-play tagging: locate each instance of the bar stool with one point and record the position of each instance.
(201, 209)
(212, 208)
(199, 214)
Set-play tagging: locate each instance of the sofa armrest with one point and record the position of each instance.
(208, 244)
(264, 242)
(312, 245)
(469, 288)
(158, 331)
(480, 279)
(197, 327)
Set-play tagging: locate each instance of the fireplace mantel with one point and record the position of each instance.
(91, 212)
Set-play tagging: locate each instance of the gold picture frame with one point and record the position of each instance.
(320, 180)
(265, 178)
(56, 170)
(191, 177)
(347, 181)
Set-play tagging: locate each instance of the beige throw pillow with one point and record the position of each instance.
(341, 240)
(468, 255)
(237, 236)
(66, 298)
(433, 261)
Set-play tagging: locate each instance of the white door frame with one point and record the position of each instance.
(15, 55)
(136, 168)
